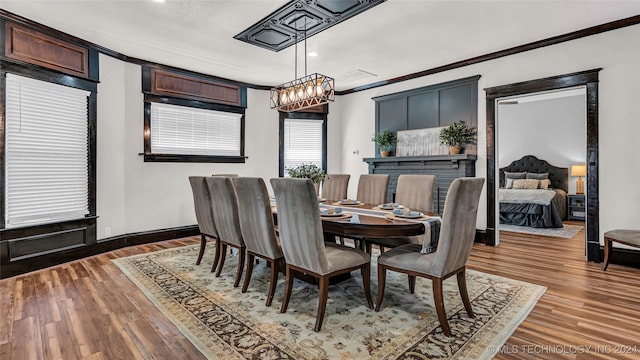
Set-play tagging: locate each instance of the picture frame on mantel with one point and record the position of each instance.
(420, 142)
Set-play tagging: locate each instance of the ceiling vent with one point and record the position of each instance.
(355, 75)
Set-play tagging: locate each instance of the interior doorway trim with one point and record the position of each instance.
(589, 79)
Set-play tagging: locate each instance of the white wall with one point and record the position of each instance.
(133, 195)
(616, 52)
(554, 130)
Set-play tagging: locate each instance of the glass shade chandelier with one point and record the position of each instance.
(305, 92)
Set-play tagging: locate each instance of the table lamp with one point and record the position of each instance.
(579, 171)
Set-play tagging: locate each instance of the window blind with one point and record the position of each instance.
(192, 131)
(46, 148)
(302, 142)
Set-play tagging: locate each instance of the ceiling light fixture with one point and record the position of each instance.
(305, 92)
(312, 53)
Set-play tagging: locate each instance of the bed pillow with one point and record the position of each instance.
(537, 176)
(544, 184)
(513, 176)
(525, 183)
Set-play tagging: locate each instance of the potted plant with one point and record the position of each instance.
(309, 171)
(385, 140)
(455, 134)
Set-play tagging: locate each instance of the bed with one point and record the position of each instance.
(523, 205)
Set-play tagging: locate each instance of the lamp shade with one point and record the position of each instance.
(578, 170)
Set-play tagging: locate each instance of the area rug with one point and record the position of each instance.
(566, 231)
(223, 323)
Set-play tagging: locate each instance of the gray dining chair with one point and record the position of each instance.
(303, 243)
(450, 258)
(225, 215)
(372, 188)
(414, 192)
(204, 215)
(334, 186)
(258, 231)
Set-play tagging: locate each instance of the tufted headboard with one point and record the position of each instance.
(559, 176)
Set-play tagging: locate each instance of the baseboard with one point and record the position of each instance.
(104, 245)
(481, 236)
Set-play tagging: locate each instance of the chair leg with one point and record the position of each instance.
(462, 286)
(438, 300)
(322, 304)
(366, 282)
(273, 281)
(608, 244)
(203, 245)
(341, 240)
(242, 252)
(382, 278)
(223, 256)
(247, 276)
(412, 283)
(367, 247)
(216, 256)
(287, 290)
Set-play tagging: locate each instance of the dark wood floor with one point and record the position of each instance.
(88, 309)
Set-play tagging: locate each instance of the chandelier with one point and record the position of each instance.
(305, 92)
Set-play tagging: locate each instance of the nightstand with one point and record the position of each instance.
(576, 207)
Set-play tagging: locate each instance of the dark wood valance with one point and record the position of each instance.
(34, 47)
(164, 82)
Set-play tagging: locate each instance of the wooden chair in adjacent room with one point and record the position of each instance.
(225, 215)
(450, 258)
(303, 243)
(258, 231)
(204, 216)
(626, 237)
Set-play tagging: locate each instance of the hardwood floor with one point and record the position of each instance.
(88, 309)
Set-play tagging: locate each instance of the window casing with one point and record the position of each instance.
(46, 152)
(303, 139)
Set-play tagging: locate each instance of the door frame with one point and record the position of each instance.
(589, 79)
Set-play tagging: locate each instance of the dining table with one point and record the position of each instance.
(362, 221)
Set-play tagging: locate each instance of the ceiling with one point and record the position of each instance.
(395, 38)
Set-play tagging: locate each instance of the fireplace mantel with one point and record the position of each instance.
(453, 159)
(444, 167)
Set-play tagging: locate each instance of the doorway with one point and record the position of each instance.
(588, 79)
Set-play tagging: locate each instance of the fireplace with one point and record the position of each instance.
(444, 167)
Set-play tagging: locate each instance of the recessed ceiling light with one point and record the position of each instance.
(159, 1)
(312, 53)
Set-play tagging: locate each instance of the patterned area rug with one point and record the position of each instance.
(566, 231)
(226, 324)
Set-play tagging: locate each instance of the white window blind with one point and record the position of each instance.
(46, 165)
(192, 131)
(302, 142)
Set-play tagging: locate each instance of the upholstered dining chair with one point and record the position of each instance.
(334, 186)
(204, 215)
(225, 215)
(372, 188)
(416, 193)
(450, 258)
(258, 231)
(303, 244)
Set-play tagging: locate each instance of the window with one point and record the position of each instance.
(47, 152)
(303, 140)
(190, 117)
(193, 131)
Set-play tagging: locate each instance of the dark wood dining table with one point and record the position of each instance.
(369, 225)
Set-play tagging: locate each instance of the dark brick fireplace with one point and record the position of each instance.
(444, 167)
